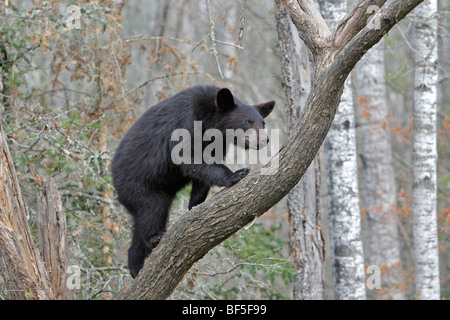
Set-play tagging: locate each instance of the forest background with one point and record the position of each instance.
(70, 94)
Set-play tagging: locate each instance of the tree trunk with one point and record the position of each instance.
(425, 153)
(306, 242)
(27, 274)
(344, 213)
(20, 263)
(53, 244)
(342, 178)
(220, 216)
(379, 192)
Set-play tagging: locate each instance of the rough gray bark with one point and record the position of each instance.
(426, 264)
(378, 187)
(342, 181)
(213, 221)
(306, 243)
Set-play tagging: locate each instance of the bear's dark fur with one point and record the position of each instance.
(144, 175)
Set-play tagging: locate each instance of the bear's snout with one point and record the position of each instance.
(256, 139)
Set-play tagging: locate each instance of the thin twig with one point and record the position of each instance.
(217, 41)
(201, 41)
(213, 39)
(242, 20)
(145, 37)
(66, 193)
(146, 82)
(229, 44)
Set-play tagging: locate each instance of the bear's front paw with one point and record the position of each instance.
(238, 175)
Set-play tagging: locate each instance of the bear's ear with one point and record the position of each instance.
(265, 109)
(225, 100)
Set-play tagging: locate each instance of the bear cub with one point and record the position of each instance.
(147, 180)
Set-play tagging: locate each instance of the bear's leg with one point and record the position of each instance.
(198, 194)
(149, 227)
(137, 253)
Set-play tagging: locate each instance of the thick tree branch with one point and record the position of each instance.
(312, 28)
(311, 9)
(213, 221)
(354, 21)
(390, 14)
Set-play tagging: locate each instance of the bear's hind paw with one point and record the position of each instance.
(154, 241)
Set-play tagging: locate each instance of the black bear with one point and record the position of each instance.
(147, 179)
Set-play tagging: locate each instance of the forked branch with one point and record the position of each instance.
(354, 21)
(310, 24)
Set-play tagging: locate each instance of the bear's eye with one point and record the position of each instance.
(249, 122)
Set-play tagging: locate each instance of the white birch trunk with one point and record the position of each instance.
(426, 262)
(383, 248)
(344, 211)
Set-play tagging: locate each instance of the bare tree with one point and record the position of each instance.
(425, 153)
(306, 242)
(342, 181)
(378, 183)
(335, 55)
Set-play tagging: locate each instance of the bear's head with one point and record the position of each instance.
(243, 121)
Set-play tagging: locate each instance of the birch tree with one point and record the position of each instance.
(379, 193)
(426, 264)
(342, 181)
(306, 243)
